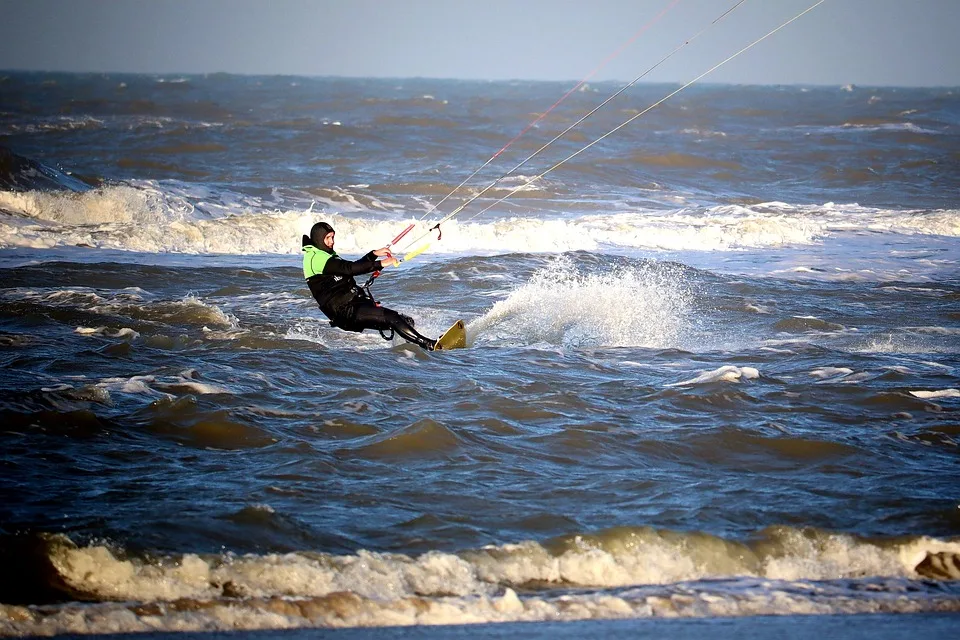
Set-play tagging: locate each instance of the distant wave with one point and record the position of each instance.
(872, 126)
(43, 207)
(149, 217)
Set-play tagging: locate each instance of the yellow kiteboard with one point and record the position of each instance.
(453, 338)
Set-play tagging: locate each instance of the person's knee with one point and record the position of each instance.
(397, 320)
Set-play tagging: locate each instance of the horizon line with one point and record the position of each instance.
(454, 79)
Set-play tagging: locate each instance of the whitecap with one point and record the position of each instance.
(728, 373)
(942, 393)
(831, 372)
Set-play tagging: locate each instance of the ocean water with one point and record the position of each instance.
(712, 369)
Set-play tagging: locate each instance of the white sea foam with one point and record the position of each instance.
(635, 557)
(132, 385)
(190, 387)
(717, 229)
(831, 372)
(703, 133)
(87, 331)
(347, 609)
(51, 123)
(728, 373)
(519, 183)
(942, 393)
(942, 222)
(889, 126)
(174, 217)
(657, 573)
(159, 386)
(124, 332)
(644, 306)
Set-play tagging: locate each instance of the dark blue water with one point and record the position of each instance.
(712, 362)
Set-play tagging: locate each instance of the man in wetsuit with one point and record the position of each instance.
(349, 307)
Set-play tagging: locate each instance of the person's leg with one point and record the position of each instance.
(381, 318)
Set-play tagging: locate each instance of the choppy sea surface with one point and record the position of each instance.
(712, 367)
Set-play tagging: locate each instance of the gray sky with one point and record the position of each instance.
(868, 42)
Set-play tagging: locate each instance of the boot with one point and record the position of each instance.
(410, 334)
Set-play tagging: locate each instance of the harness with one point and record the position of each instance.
(365, 290)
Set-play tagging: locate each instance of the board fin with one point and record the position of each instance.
(453, 338)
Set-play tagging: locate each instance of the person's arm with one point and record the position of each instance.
(337, 266)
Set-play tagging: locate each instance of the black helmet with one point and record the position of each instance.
(318, 232)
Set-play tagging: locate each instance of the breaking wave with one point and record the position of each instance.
(171, 217)
(619, 573)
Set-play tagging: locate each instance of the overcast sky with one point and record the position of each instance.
(867, 42)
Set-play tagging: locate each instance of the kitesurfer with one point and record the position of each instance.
(346, 304)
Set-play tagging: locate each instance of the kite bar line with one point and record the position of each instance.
(651, 107)
(555, 104)
(460, 208)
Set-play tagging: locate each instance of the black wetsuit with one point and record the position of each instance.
(342, 300)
